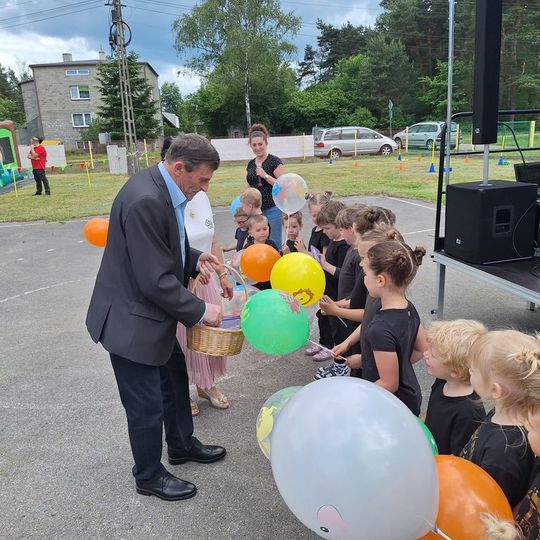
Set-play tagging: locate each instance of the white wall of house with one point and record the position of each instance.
(293, 146)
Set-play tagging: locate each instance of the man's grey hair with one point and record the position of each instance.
(193, 150)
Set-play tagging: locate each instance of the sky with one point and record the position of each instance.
(38, 31)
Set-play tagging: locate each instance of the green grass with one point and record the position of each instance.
(73, 198)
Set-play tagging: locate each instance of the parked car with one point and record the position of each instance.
(425, 135)
(341, 141)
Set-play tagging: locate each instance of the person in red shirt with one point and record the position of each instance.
(38, 157)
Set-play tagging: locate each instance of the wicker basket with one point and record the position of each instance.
(216, 341)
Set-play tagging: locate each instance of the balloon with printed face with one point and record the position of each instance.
(466, 492)
(289, 192)
(299, 275)
(96, 230)
(258, 260)
(268, 415)
(273, 322)
(365, 472)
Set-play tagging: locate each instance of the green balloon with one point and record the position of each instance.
(429, 437)
(274, 322)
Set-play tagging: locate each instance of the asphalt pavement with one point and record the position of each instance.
(65, 461)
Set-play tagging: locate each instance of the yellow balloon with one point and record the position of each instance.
(301, 276)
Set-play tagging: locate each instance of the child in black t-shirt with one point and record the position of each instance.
(454, 410)
(259, 231)
(292, 225)
(391, 337)
(350, 275)
(521, 356)
(331, 262)
(241, 233)
(504, 368)
(319, 242)
(379, 232)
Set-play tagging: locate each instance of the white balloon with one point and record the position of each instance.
(352, 462)
(289, 193)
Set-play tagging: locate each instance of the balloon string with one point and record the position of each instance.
(334, 355)
(438, 531)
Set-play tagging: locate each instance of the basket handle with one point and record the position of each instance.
(195, 282)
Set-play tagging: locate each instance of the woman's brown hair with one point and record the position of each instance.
(258, 130)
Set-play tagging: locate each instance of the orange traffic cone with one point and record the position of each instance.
(401, 166)
(356, 164)
(466, 160)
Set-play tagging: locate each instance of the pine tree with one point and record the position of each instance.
(144, 106)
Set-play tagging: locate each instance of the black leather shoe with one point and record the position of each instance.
(166, 487)
(36, 194)
(201, 453)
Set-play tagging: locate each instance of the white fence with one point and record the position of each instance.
(56, 156)
(283, 147)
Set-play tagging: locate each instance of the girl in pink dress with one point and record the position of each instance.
(204, 370)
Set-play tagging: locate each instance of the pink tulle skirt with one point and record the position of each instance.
(203, 370)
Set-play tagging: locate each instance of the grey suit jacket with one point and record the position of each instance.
(140, 292)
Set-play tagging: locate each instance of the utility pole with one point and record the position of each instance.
(118, 44)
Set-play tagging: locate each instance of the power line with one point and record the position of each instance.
(23, 23)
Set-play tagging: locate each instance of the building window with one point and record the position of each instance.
(74, 72)
(81, 119)
(79, 92)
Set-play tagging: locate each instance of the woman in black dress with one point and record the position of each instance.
(262, 172)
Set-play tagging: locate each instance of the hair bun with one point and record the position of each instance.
(530, 358)
(419, 253)
(259, 127)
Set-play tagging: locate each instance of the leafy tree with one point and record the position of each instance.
(308, 69)
(435, 90)
(244, 39)
(320, 105)
(144, 106)
(171, 98)
(219, 104)
(11, 103)
(362, 117)
(336, 44)
(422, 27)
(386, 74)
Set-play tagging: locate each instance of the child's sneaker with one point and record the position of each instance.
(333, 370)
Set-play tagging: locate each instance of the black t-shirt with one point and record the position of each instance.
(240, 236)
(262, 285)
(504, 453)
(527, 515)
(335, 255)
(452, 420)
(350, 270)
(393, 330)
(318, 239)
(359, 293)
(269, 165)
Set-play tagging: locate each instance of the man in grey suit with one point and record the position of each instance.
(139, 296)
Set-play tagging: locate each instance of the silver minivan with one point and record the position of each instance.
(344, 140)
(425, 135)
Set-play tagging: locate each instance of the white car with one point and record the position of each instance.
(342, 141)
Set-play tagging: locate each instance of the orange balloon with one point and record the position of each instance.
(258, 260)
(466, 491)
(95, 231)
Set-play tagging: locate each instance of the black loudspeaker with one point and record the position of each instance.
(487, 67)
(489, 224)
